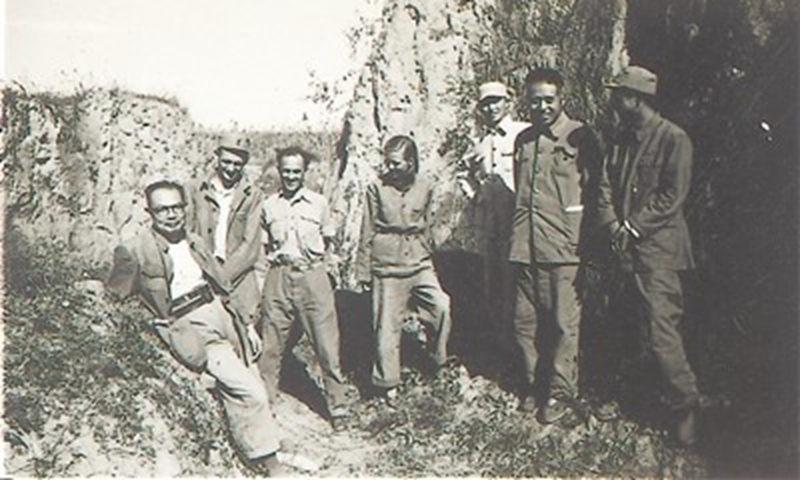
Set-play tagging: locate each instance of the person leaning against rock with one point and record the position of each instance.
(558, 162)
(225, 211)
(394, 261)
(181, 283)
(644, 187)
(486, 175)
(299, 232)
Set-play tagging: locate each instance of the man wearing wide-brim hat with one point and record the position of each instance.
(643, 189)
(225, 211)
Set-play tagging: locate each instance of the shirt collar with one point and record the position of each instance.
(213, 183)
(557, 130)
(502, 128)
(302, 194)
(647, 127)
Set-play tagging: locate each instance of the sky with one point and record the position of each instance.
(242, 63)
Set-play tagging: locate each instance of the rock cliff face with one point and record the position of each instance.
(422, 81)
(76, 166)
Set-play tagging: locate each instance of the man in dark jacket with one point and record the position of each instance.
(643, 189)
(557, 166)
(180, 282)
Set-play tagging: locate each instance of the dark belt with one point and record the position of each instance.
(191, 301)
(295, 264)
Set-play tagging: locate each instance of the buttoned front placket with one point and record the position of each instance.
(534, 190)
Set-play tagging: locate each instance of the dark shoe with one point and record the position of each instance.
(342, 422)
(606, 412)
(685, 428)
(269, 466)
(528, 404)
(553, 411)
(392, 397)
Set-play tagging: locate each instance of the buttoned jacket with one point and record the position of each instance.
(395, 230)
(243, 246)
(646, 181)
(557, 171)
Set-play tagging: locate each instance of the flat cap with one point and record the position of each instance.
(233, 143)
(493, 89)
(636, 78)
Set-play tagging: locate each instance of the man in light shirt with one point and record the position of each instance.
(298, 231)
(487, 177)
(225, 211)
(181, 283)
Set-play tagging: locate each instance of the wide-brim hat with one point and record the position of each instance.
(233, 143)
(493, 89)
(638, 79)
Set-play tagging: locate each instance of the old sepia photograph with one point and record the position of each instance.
(399, 238)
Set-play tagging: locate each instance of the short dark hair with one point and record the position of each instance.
(405, 144)
(291, 151)
(163, 185)
(545, 75)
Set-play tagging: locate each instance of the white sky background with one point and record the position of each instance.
(231, 62)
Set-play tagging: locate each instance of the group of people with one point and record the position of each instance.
(557, 214)
(227, 273)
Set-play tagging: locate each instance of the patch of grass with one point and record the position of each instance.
(76, 364)
(457, 425)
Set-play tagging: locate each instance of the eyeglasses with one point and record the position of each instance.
(166, 209)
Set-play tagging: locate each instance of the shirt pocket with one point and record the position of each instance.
(310, 232)
(647, 169)
(567, 178)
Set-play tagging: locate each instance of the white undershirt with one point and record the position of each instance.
(224, 197)
(187, 273)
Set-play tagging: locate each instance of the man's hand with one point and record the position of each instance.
(620, 239)
(365, 285)
(254, 339)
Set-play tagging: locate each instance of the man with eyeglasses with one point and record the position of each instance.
(224, 210)
(182, 284)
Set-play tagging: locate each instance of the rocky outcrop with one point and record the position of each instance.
(76, 166)
(423, 78)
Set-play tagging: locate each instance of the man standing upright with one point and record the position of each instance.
(487, 175)
(643, 189)
(557, 168)
(225, 211)
(299, 232)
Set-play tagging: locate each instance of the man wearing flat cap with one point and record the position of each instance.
(642, 193)
(487, 177)
(224, 209)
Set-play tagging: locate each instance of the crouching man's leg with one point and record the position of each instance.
(244, 397)
(250, 418)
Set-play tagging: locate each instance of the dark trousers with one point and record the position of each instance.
(547, 323)
(652, 304)
(496, 203)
